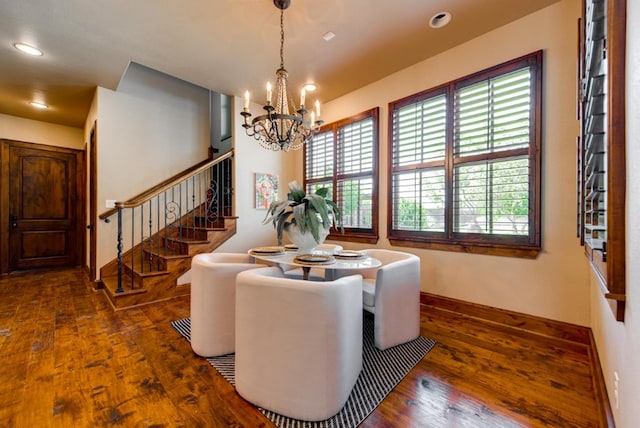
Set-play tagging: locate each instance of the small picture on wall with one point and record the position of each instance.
(266, 190)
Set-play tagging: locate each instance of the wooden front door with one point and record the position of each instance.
(45, 207)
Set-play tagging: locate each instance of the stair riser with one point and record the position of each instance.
(140, 272)
(196, 234)
(154, 292)
(158, 263)
(202, 222)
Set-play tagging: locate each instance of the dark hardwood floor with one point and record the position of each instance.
(68, 360)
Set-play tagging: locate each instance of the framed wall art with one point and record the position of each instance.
(266, 190)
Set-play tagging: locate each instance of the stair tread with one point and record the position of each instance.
(189, 240)
(170, 256)
(206, 229)
(148, 273)
(111, 284)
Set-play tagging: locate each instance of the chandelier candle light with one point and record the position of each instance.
(280, 128)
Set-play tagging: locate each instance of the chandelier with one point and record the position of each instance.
(282, 127)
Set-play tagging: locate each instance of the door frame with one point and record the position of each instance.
(92, 200)
(79, 181)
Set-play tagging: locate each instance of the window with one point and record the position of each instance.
(465, 163)
(344, 158)
(602, 146)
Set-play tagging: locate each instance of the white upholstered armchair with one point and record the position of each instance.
(213, 299)
(298, 343)
(392, 293)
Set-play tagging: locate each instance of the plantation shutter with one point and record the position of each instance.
(492, 135)
(344, 158)
(354, 194)
(465, 161)
(418, 163)
(319, 158)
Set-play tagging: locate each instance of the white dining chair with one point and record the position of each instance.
(298, 343)
(392, 293)
(213, 298)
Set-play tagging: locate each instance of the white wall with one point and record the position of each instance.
(619, 343)
(153, 127)
(33, 131)
(252, 158)
(555, 285)
(152, 132)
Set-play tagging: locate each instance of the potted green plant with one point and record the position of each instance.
(311, 214)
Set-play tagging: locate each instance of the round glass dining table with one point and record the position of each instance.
(329, 262)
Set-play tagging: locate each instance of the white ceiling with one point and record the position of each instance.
(224, 45)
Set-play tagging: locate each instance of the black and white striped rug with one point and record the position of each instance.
(381, 372)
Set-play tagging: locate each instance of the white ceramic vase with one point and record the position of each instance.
(305, 241)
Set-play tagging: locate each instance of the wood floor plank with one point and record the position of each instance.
(189, 393)
(69, 359)
(195, 396)
(72, 390)
(36, 389)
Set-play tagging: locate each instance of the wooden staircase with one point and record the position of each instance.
(164, 227)
(151, 274)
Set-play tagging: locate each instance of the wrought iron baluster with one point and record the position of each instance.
(159, 243)
(150, 221)
(209, 196)
(119, 250)
(185, 211)
(142, 240)
(203, 196)
(212, 199)
(166, 228)
(219, 191)
(193, 206)
(133, 243)
(198, 203)
(183, 190)
(227, 189)
(230, 185)
(179, 219)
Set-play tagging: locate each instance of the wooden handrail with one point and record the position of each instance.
(165, 185)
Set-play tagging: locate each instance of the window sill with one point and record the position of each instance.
(353, 237)
(519, 251)
(599, 267)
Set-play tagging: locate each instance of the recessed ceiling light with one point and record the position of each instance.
(440, 19)
(310, 87)
(27, 49)
(39, 105)
(328, 36)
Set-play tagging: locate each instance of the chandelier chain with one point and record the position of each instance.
(281, 38)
